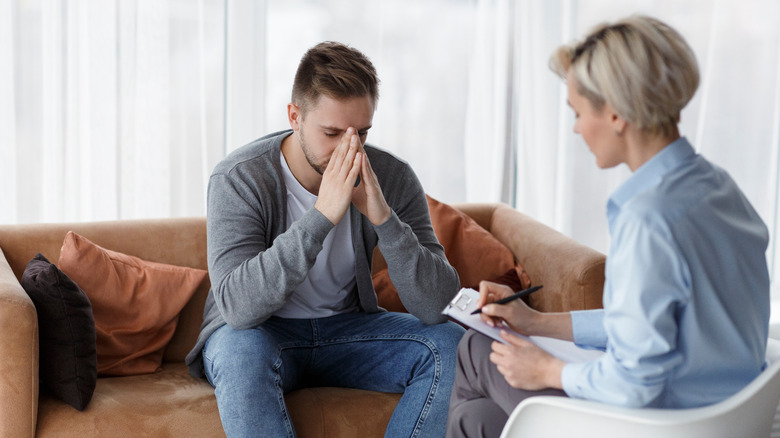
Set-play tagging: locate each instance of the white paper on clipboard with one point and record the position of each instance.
(465, 302)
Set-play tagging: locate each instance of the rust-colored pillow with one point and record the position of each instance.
(470, 249)
(135, 303)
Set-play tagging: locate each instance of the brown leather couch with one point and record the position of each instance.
(170, 403)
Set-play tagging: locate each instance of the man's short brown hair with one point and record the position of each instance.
(334, 70)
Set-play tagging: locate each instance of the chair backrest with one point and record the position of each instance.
(748, 413)
(752, 408)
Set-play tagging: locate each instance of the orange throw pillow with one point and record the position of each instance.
(470, 249)
(136, 304)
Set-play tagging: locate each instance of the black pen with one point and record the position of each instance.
(521, 294)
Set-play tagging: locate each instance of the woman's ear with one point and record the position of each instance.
(294, 116)
(618, 123)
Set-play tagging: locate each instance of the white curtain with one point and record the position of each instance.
(110, 109)
(121, 108)
(422, 50)
(733, 120)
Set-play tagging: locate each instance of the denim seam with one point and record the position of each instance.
(280, 393)
(207, 360)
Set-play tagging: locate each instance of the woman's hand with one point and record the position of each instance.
(519, 316)
(526, 366)
(516, 314)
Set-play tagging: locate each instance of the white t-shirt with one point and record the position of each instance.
(328, 288)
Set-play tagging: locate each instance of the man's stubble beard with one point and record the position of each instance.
(309, 156)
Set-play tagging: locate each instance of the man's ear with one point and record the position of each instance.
(294, 116)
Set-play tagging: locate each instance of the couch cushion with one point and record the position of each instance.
(171, 403)
(470, 249)
(135, 303)
(168, 403)
(66, 332)
(340, 412)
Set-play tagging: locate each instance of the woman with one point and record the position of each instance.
(686, 297)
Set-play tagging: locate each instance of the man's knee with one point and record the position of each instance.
(446, 336)
(240, 352)
(435, 347)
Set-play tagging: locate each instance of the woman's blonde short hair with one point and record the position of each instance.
(640, 66)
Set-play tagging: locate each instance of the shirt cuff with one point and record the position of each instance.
(393, 238)
(588, 328)
(317, 224)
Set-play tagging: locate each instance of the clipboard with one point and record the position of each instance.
(460, 308)
(465, 302)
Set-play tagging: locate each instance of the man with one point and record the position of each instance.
(293, 219)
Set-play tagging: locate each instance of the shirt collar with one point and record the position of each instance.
(651, 172)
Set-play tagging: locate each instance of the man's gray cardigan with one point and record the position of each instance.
(256, 259)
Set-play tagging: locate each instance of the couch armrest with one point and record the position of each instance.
(19, 361)
(572, 273)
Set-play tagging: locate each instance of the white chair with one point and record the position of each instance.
(747, 414)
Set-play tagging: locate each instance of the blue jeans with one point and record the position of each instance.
(251, 370)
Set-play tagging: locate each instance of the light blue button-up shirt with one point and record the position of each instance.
(686, 297)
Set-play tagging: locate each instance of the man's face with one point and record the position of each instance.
(324, 123)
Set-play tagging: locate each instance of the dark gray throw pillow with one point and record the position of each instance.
(66, 332)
